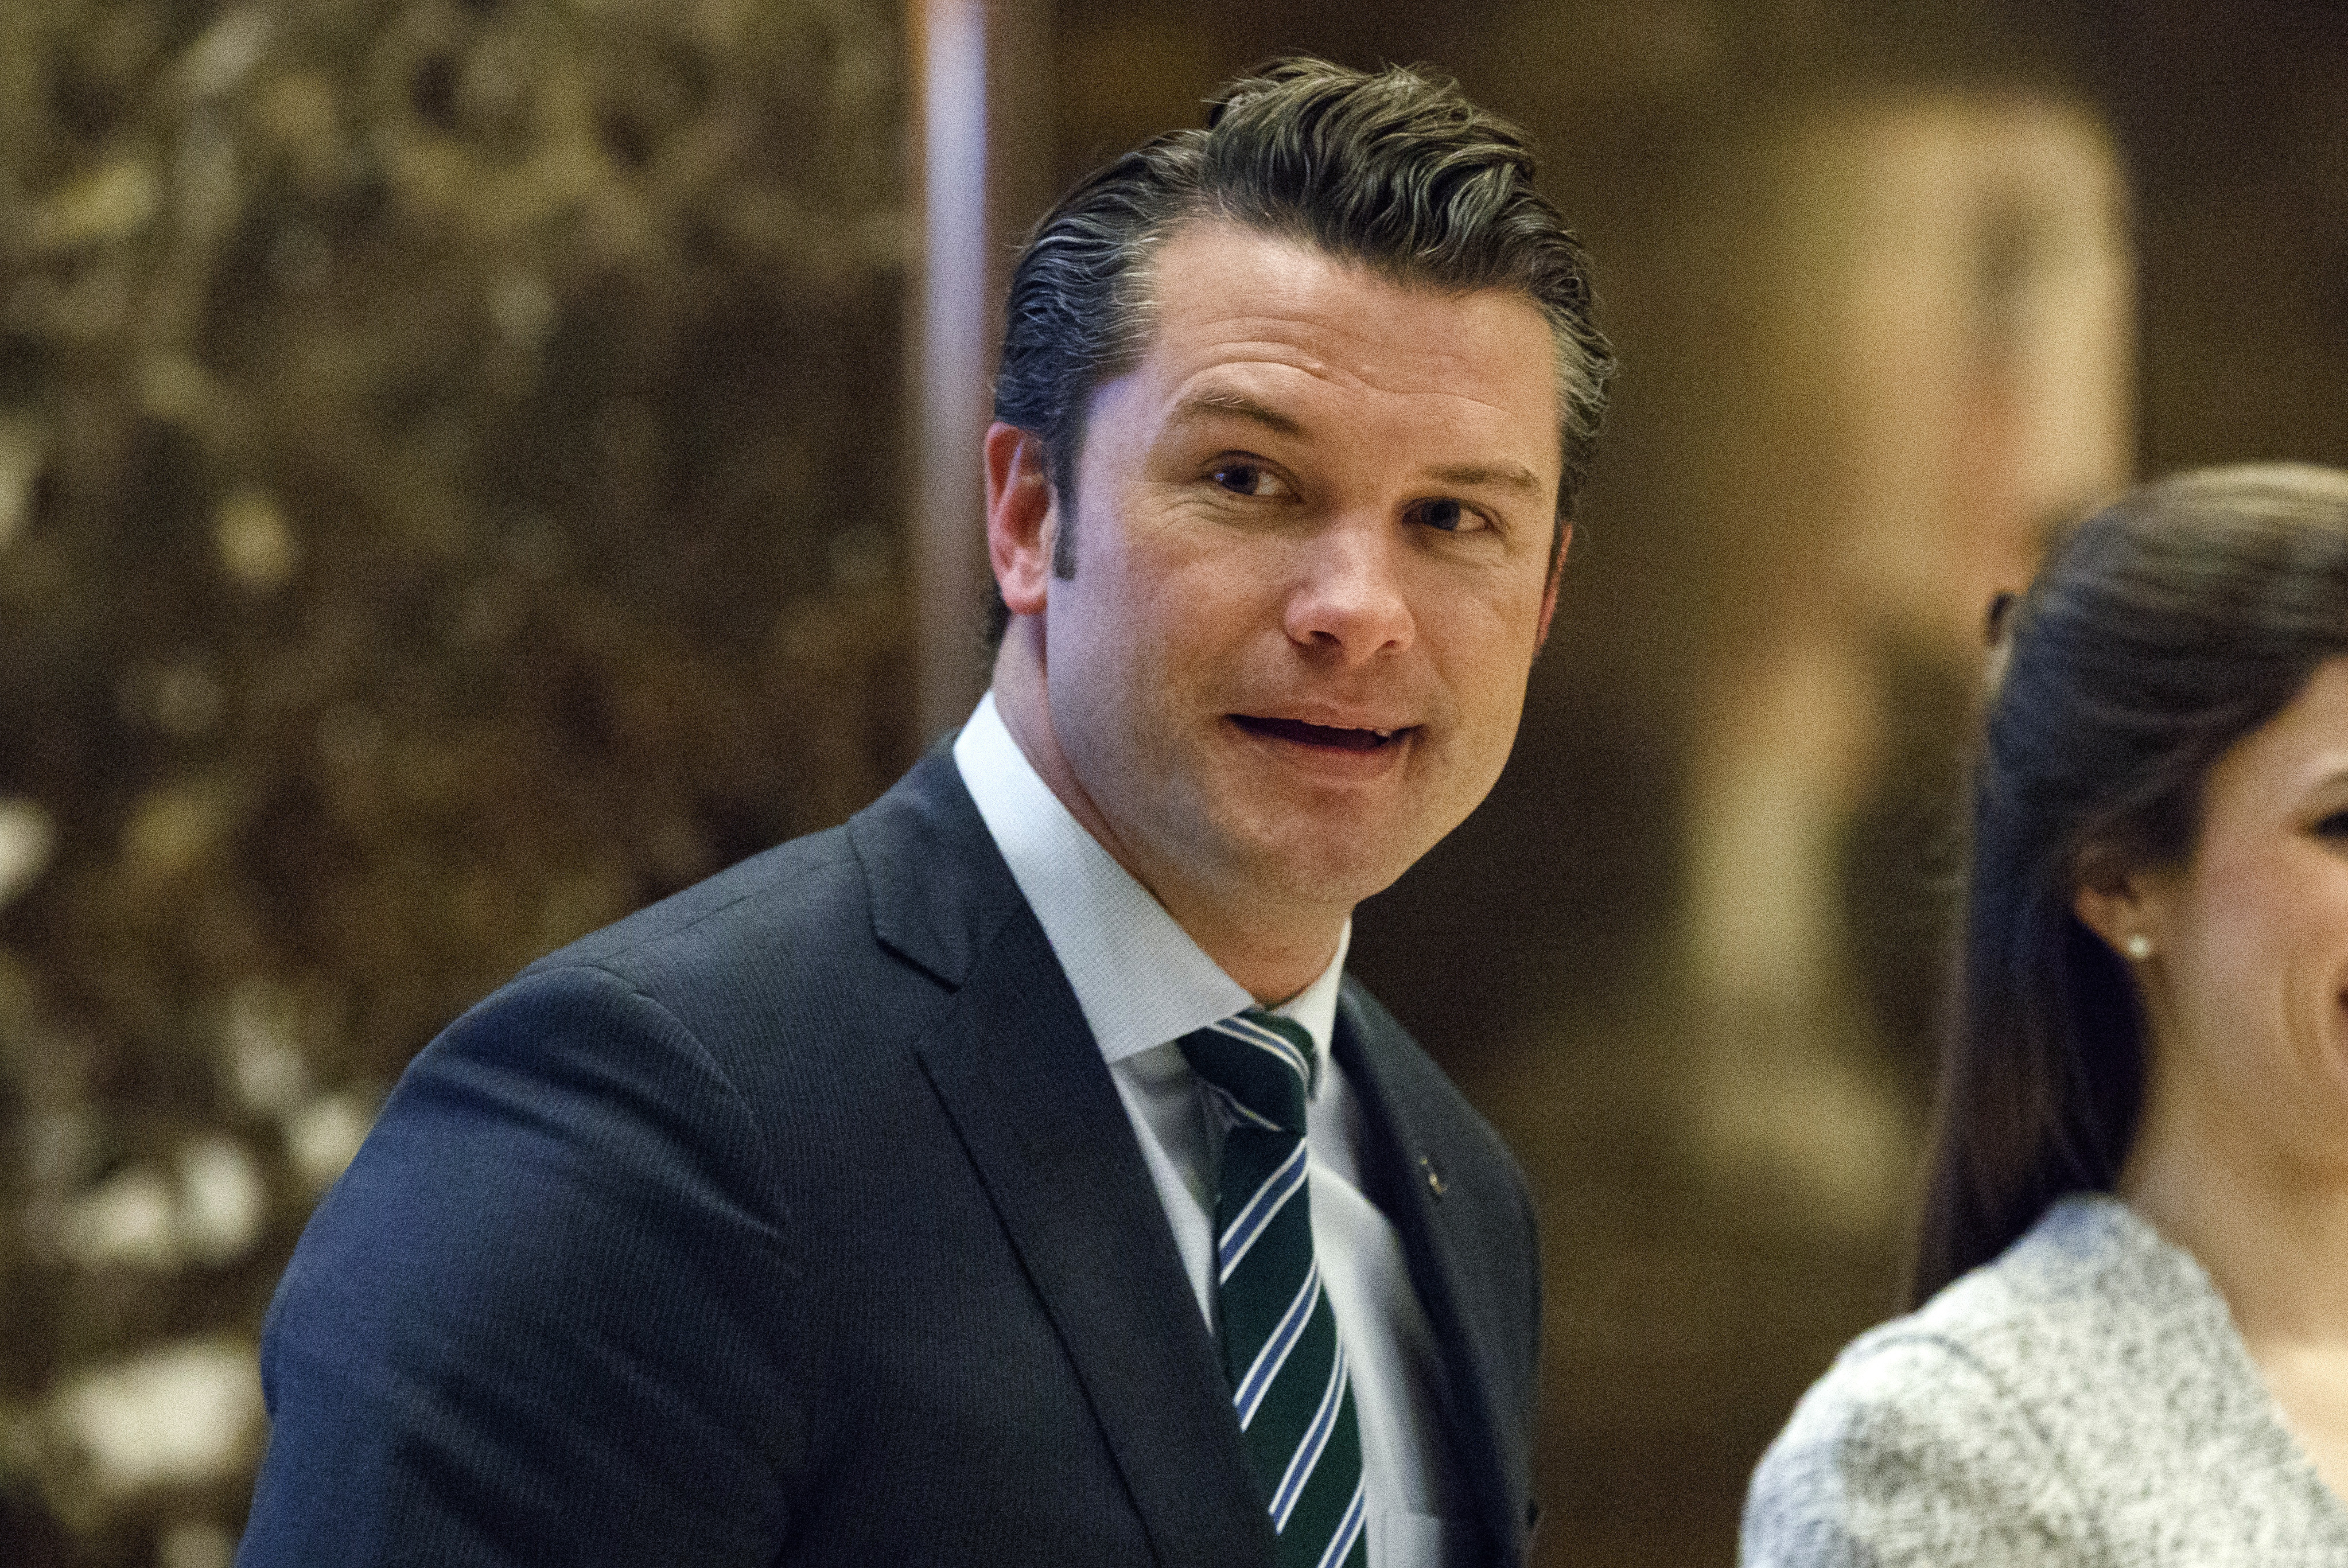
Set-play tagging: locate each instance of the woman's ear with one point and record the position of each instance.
(2120, 905)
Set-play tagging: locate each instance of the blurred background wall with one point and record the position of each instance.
(469, 467)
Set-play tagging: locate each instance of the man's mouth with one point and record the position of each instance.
(1333, 737)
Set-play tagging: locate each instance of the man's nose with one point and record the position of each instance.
(1349, 598)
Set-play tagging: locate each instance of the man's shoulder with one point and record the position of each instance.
(917, 859)
(855, 933)
(808, 889)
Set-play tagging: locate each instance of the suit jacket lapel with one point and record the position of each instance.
(1442, 1233)
(1024, 1082)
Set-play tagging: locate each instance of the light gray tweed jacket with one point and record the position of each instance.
(2084, 1400)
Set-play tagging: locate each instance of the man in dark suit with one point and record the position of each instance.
(1011, 1175)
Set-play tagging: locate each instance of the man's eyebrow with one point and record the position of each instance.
(1213, 402)
(1474, 476)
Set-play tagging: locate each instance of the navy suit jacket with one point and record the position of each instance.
(795, 1219)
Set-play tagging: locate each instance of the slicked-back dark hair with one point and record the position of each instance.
(1394, 168)
(2167, 627)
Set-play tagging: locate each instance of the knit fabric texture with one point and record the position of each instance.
(2083, 1400)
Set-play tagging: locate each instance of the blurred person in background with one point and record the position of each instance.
(1012, 1175)
(1896, 353)
(1931, 353)
(2130, 1344)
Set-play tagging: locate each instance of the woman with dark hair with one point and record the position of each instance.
(2131, 1341)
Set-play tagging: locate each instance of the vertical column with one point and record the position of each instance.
(982, 160)
(949, 361)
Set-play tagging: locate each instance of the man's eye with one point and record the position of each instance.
(2335, 826)
(1243, 478)
(1447, 515)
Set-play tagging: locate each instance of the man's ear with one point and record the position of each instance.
(1556, 576)
(1021, 519)
(2120, 905)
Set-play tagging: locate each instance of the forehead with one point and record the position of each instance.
(1230, 301)
(2303, 747)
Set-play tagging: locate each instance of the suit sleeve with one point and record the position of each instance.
(535, 1320)
(1913, 1455)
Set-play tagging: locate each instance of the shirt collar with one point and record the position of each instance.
(1139, 979)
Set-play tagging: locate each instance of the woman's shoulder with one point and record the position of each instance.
(1925, 1443)
(1938, 1435)
(2089, 1292)
(2090, 1282)
(2081, 1399)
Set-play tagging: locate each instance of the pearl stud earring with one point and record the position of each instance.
(2138, 946)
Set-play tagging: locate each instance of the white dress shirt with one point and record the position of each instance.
(1143, 983)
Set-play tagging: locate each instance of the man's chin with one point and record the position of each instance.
(1336, 871)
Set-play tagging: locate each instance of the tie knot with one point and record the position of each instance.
(1260, 1064)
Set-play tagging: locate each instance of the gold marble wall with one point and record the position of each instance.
(449, 478)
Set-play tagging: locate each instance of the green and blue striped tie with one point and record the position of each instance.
(1280, 1349)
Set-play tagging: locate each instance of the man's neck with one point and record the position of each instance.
(1269, 971)
(1272, 954)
